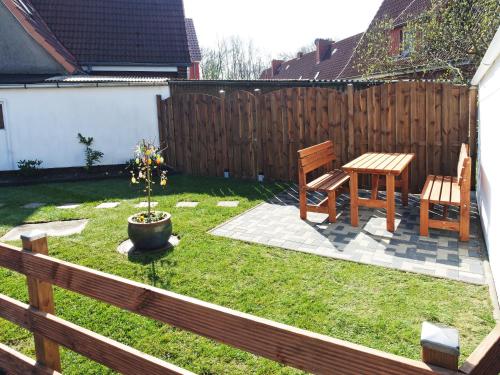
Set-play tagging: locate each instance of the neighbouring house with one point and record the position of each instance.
(43, 38)
(330, 60)
(333, 60)
(194, 71)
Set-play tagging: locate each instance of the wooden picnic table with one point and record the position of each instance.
(389, 165)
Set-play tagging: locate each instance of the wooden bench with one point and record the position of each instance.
(310, 159)
(448, 191)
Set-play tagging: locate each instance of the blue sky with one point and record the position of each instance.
(278, 26)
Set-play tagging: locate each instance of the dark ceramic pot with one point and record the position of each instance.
(150, 236)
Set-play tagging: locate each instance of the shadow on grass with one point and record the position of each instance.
(155, 260)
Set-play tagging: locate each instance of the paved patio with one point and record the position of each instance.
(277, 223)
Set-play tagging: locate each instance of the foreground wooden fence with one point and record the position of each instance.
(291, 346)
(247, 133)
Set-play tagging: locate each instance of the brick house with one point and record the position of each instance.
(43, 38)
(334, 60)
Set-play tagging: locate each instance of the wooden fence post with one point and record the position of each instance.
(440, 346)
(41, 297)
(473, 107)
(350, 121)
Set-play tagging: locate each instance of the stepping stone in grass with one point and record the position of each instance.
(69, 206)
(34, 205)
(145, 205)
(228, 204)
(53, 229)
(108, 205)
(127, 248)
(187, 204)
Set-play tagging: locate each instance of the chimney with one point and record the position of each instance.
(300, 54)
(323, 48)
(276, 64)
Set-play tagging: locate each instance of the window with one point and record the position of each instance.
(2, 122)
(407, 43)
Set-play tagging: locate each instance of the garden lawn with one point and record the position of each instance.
(372, 306)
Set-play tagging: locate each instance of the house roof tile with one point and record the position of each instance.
(333, 67)
(118, 32)
(194, 47)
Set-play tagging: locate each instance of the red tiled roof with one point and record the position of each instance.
(33, 23)
(341, 65)
(194, 47)
(119, 32)
(331, 68)
(401, 10)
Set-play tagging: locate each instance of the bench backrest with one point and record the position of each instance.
(314, 157)
(464, 169)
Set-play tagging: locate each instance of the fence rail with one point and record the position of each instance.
(249, 133)
(288, 345)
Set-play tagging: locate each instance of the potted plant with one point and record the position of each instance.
(149, 230)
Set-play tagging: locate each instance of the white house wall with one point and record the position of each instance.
(43, 123)
(488, 191)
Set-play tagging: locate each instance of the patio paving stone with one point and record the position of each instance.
(187, 204)
(108, 205)
(277, 223)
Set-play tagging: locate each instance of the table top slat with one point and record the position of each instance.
(380, 163)
(369, 162)
(404, 163)
(356, 162)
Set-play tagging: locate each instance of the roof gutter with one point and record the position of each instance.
(491, 55)
(61, 85)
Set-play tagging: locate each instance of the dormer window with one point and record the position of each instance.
(402, 43)
(407, 43)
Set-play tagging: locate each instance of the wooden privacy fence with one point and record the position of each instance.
(291, 346)
(248, 133)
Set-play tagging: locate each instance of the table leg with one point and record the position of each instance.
(391, 203)
(353, 184)
(404, 186)
(375, 181)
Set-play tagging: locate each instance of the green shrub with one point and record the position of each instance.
(29, 167)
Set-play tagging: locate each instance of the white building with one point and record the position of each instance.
(488, 189)
(41, 121)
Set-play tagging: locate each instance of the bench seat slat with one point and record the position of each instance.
(436, 189)
(443, 190)
(329, 181)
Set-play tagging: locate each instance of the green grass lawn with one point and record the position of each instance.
(372, 306)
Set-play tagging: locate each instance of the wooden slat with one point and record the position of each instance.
(445, 197)
(15, 363)
(289, 345)
(330, 181)
(101, 349)
(426, 191)
(402, 164)
(455, 192)
(319, 148)
(436, 189)
(444, 224)
(372, 203)
(41, 297)
(372, 163)
(485, 359)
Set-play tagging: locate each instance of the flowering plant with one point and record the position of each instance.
(148, 160)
